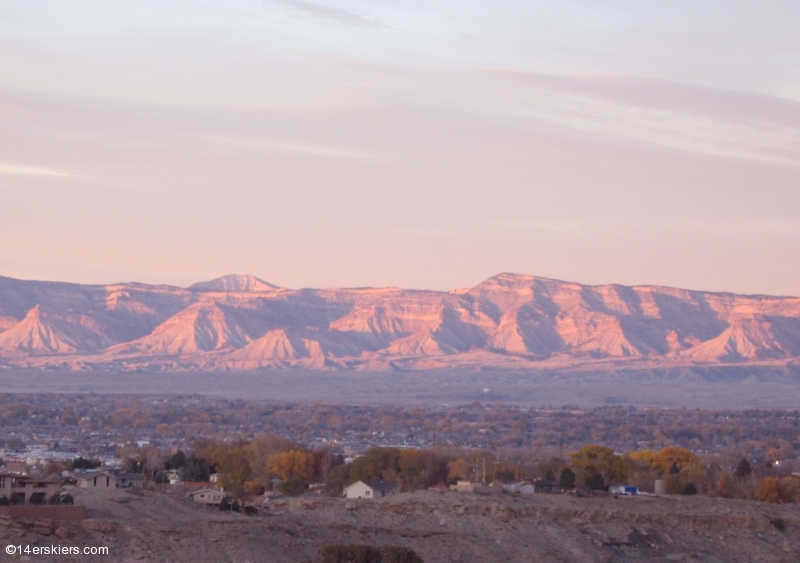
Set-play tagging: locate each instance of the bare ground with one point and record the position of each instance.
(440, 526)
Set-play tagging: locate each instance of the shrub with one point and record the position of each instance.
(4, 500)
(83, 463)
(359, 553)
(55, 499)
(567, 479)
(743, 469)
(398, 554)
(67, 499)
(292, 487)
(351, 553)
(689, 489)
(595, 481)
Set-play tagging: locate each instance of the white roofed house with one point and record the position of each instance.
(208, 496)
(372, 489)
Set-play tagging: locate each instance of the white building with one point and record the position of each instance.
(372, 489)
(208, 496)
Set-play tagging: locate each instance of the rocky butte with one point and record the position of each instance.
(509, 321)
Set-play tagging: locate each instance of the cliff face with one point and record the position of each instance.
(508, 321)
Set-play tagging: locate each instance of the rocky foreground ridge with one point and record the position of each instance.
(508, 321)
(441, 527)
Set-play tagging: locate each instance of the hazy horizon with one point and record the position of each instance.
(419, 145)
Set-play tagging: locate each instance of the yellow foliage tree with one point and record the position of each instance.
(458, 469)
(768, 490)
(644, 457)
(671, 456)
(594, 458)
(293, 463)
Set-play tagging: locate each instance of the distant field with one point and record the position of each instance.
(699, 388)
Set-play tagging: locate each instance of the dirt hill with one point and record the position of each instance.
(441, 527)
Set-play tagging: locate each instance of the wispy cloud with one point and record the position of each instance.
(22, 170)
(286, 146)
(330, 13)
(681, 116)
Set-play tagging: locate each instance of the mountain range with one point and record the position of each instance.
(509, 321)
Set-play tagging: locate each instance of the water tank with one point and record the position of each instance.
(661, 487)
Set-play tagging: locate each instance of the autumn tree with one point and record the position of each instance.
(293, 463)
(458, 470)
(234, 468)
(594, 460)
(376, 464)
(419, 469)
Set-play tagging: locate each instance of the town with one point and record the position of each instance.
(238, 454)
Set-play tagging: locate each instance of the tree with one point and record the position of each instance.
(593, 459)
(293, 463)
(376, 464)
(594, 481)
(504, 475)
(196, 469)
(419, 469)
(567, 479)
(292, 487)
(233, 465)
(743, 469)
(177, 461)
(674, 458)
(338, 479)
(83, 463)
(768, 490)
(457, 470)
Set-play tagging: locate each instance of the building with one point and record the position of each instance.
(108, 480)
(476, 487)
(208, 496)
(96, 480)
(536, 486)
(24, 489)
(624, 490)
(372, 489)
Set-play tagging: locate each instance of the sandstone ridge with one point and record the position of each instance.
(508, 321)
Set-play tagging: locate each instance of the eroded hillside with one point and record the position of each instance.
(508, 321)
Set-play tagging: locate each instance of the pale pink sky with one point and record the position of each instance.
(417, 144)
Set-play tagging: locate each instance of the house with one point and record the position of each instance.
(372, 489)
(476, 487)
(24, 489)
(108, 480)
(129, 480)
(96, 480)
(208, 496)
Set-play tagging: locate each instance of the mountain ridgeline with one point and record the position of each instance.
(507, 322)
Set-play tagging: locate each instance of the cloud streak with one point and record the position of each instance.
(23, 170)
(328, 13)
(695, 119)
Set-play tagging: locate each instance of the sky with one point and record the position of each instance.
(414, 144)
